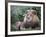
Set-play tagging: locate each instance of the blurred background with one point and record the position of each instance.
(17, 13)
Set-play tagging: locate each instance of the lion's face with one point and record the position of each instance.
(29, 17)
